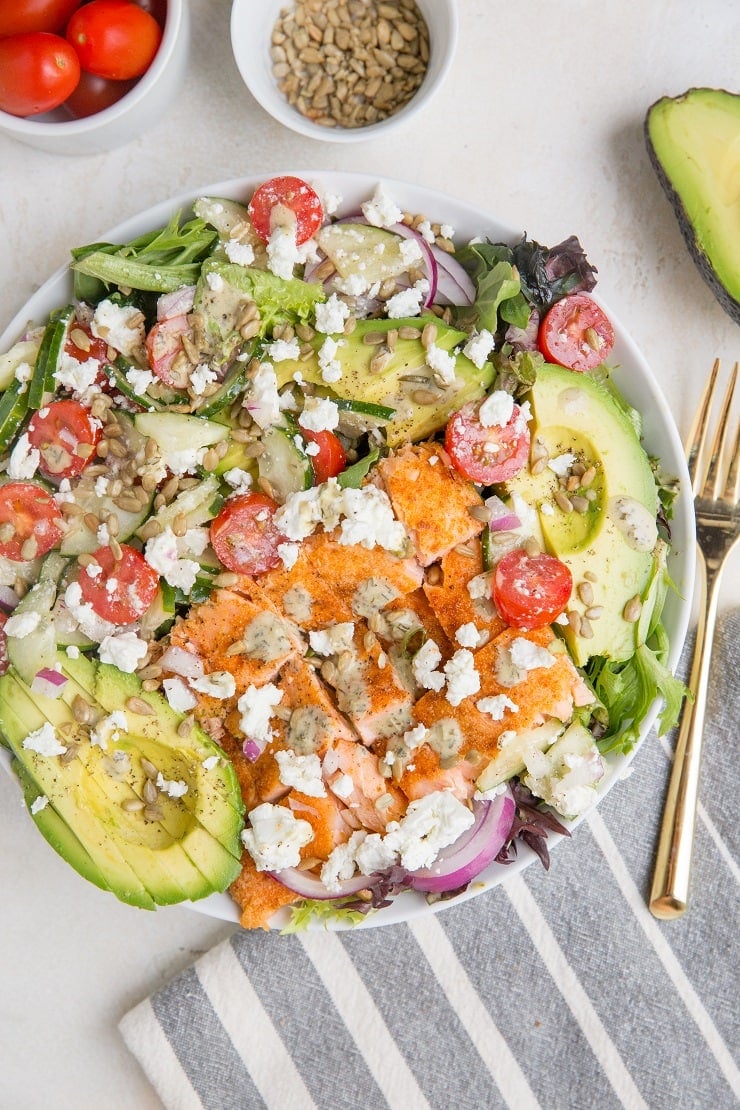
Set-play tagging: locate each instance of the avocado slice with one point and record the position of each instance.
(575, 414)
(404, 383)
(171, 876)
(57, 832)
(63, 786)
(694, 145)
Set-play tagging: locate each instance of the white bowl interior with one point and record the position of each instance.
(252, 22)
(631, 373)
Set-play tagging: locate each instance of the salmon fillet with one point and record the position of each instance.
(258, 895)
(449, 596)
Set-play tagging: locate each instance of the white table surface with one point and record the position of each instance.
(540, 123)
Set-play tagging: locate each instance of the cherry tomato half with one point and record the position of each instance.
(487, 454)
(94, 94)
(66, 435)
(331, 458)
(163, 345)
(37, 72)
(576, 333)
(114, 38)
(17, 17)
(244, 534)
(93, 346)
(530, 591)
(33, 514)
(291, 193)
(125, 588)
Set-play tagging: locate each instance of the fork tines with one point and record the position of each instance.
(714, 470)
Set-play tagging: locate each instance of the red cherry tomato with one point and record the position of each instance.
(37, 72)
(32, 513)
(291, 193)
(97, 349)
(576, 333)
(114, 38)
(530, 591)
(126, 587)
(4, 660)
(163, 345)
(94, 94)
(66, 435)
(331, 458)
(244, 534)
(487, 454)
(17, 17)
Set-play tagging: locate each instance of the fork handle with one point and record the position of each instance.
(670, 890)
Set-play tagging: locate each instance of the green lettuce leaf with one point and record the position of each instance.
(311, 910)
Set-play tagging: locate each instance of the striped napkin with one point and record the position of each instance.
(555, 990)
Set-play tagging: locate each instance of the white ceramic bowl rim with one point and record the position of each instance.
(24, 125)
(251, 54)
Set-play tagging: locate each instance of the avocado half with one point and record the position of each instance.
(694, 146)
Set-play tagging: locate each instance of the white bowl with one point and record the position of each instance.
(129, 116)
(252, 22)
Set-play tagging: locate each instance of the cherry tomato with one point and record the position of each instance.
(291, 193)
(114, 38)
(126, 587)
(37, 72)
(94, 94)
(530, 591)
(331, 458)
(487, 454)
(163, 345)
(33, 514)
(66, 435)
(17, 17)
(97, 349)
(244, 534)
(576, 333)
(4, 660)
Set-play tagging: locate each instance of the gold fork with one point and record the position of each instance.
(714, 483)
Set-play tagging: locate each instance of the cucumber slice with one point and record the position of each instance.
(195, 504)
(13, 409)
(25, 350)
(43, 385)
(283, 464)
(117, 374)
(221, 213)
(79, 538)
(374, 251)
(160, 615)
(38, 648)
(175, 432)
(364, 408)
(233, 384)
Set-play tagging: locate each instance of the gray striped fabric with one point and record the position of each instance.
(556, 990)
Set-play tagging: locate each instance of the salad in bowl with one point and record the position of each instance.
(332, 563)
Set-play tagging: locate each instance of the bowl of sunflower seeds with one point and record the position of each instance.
(343, 70)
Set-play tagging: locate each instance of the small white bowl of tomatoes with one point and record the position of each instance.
(84, 77)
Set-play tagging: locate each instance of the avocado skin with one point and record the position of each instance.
(704, 264)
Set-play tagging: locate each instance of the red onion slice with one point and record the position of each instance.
(253, 749)
(178, 303)
(182, 662)
(459, 864)
(502, 518)
(8, 599)
(454, 284)
(308, 886)
(48, 682)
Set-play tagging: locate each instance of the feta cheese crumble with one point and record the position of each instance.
(255, 707)
(462, 677)
(173, 788)
(496, 705)
(124, 650)
(44, 741)
(424, 666)
(180, 698)
(430, 824)
(319, 415)
(333, 640)
(121, 326)
(303, 772)
(479, 347)
(331, 315)
(276, 837)
(497, 409)
(381, 211)
(443, 363)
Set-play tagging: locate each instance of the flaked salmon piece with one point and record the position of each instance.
(430, 498)
(542, 693)
(304, 594)
(324, 815)
(308, 721)
(258, 895)
(259, 780)
(242, 634)
(424, 774)
(368, 688)
(403, 613)
(347, 568)
(448, 594)
(369, 787)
